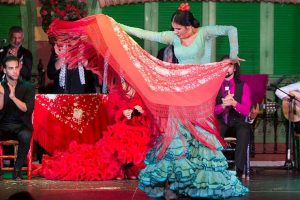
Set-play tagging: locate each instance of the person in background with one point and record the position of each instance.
(293, 90)
(71, 81)
(16, 107)
(167, 54)
(232, 109)
(15, 48)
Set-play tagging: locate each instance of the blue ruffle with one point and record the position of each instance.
(198, 172)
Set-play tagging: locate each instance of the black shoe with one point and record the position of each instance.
(17, 175)
(239, 173)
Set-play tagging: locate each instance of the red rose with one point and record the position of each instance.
(44, 12)
(62, 13)
(184, 7)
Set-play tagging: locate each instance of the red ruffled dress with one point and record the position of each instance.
(118, 154)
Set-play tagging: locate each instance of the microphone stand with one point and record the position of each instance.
(288, 162)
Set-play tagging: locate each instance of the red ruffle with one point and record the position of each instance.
(124, 144)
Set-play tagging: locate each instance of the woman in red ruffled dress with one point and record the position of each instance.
(130, 130)
(119, 154)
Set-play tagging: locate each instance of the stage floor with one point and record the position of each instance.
(265, 183)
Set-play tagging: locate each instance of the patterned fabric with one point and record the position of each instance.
(62, 76)
(81, 73)
(167, 89)
(118, 153)
(60, 119)
(63, 71)
(188, 153)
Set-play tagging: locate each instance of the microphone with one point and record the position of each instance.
(226, 88)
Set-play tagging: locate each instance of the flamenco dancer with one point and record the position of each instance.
(186, 158)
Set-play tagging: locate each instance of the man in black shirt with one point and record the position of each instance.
(15, 48)
(16, 107)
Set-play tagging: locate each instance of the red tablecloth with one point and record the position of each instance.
(60, 119)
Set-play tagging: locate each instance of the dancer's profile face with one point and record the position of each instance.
(182, 31)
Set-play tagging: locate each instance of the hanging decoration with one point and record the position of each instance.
(68, 10)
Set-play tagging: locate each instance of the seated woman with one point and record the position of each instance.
(118, 154)
(130, 130)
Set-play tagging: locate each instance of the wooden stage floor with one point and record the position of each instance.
(265, 184)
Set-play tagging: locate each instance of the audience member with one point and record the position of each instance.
(15, 48)
(16, 107)
(232, 107)
(167, 54)
(292, 90)
(71, 81)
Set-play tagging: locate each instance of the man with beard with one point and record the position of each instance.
(232, 108)
(15, 48)
(16, 107)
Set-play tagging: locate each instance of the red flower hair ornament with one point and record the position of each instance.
(184, 7)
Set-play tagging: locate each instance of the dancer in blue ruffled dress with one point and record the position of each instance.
(187, 166)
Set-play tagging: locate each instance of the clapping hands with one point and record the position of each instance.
(139, 108)
(127, 113)
(229, 100)
(12, 89)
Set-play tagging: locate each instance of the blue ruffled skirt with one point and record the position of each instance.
(194, 171)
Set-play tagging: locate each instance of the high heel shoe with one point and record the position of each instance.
(121, 175)
(131, 172)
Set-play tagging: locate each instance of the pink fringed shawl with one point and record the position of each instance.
(174, 93)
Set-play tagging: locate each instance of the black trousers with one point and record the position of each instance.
(21, 133)
(297, 127)
(242, 133)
